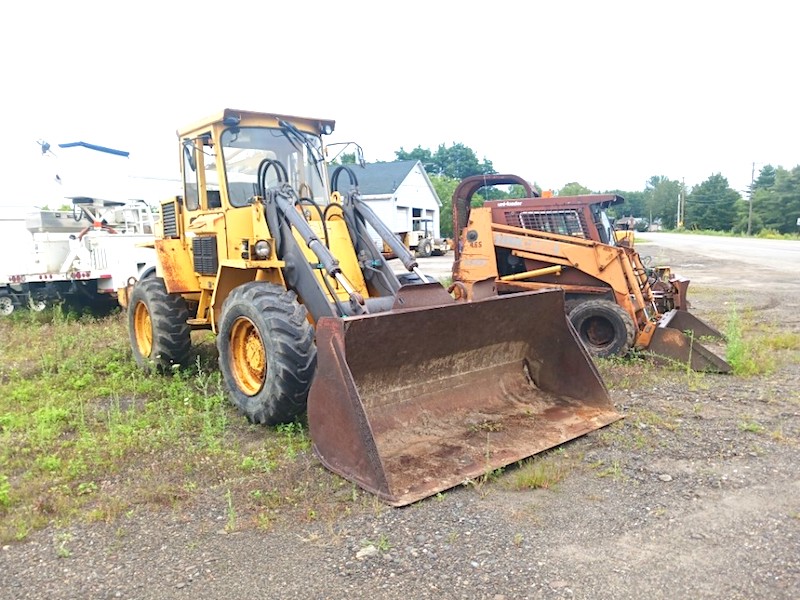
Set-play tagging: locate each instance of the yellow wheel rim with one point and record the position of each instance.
(248, 357)
(143, 329)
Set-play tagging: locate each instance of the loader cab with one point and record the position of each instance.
(603, 224)
(423, 226)
(201, 186)
(275, 154)
(224, 164)
(583, 216)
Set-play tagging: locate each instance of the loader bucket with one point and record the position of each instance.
(414, 401)
(676, 339)
(685, 321)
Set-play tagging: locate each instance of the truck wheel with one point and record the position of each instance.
(266, 352)
(424, 248)
(6, 304)
(604, 327)
(157, 326)
(36, 303)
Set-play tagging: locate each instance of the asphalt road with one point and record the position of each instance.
(776, 255)
(703, 258)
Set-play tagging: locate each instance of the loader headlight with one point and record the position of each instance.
(262, 249)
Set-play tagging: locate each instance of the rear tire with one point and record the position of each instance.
(424, 248)
(604, 327)
(6, 304)
(267, 353)
(36, 303)
(157, 326)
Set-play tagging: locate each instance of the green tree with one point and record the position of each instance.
(750, 220)
(574, 189)
(660, 200)
(458, 161)
(766, 177)
(632, 207)
(446, 168)
(758, 194)
(421, 154)
(445, 187)
(778, 206)
(712, 205)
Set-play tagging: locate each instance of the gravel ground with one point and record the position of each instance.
(695, 494)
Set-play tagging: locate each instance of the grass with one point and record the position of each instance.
(382, 543)
(752, 351)
(629, 372)
(751, 426)
(543, 471)
(612, 471)
(770, 234)
(86, 435)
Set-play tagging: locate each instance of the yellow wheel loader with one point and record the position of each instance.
(264, 249)
(614, 302)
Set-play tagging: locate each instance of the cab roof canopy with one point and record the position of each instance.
(253, 118)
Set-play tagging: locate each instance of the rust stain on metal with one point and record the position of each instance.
(176, 266)
(489, 386)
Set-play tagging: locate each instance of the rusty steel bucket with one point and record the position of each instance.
(676, 339)
(417, 400)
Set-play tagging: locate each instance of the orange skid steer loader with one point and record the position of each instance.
(614, 302)
(265, 250)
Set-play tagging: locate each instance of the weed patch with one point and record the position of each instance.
(543, 471)
(85, 434)
(747, 356)
(631, 372)
(751, 426)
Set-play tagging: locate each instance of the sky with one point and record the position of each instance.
(606, 94)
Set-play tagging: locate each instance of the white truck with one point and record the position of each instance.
(420, 239)
(83, 257)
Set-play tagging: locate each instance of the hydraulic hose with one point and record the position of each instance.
(283, 197)
(367, 214)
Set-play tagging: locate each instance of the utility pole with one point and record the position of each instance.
(750, 208)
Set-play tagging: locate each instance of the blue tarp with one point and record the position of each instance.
(95, 147)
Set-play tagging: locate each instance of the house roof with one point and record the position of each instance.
(382, 177)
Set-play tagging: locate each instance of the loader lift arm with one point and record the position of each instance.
(549, 249)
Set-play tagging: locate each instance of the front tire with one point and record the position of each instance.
(604, 327)
(267, 353)
(159, 333)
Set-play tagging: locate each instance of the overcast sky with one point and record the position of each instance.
(603, 93)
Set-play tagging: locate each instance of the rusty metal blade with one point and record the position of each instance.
(687, 322)
(412, 402)
(671, 345)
